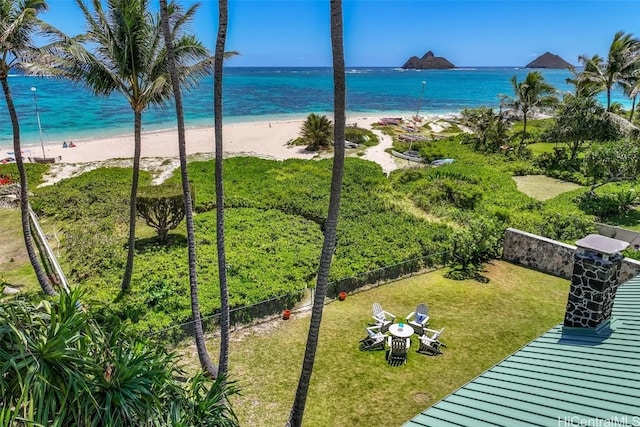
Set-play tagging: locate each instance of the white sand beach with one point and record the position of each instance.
(261, 139)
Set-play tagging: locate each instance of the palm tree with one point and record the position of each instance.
(316, 132)
(123, 52)
(620, 63)
(218, 69)
(328, 247)
(584, 87)
(203, 355)
(18, 24)
(534, 92)
(631, 87)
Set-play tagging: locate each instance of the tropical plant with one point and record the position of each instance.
(123, 52)
(583, 87)
(579, 120)
(331, 226)
(19, 23)
(162, 207)
(530, 94)
(205, 360)
(479, 121)
(316, 132)
(611, 162)
(620, 63)
(478, 241)
(489, 128)
(61, 368)
(631, 88)
(205, 404)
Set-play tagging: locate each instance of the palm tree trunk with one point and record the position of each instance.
(223, 362)
(328, 247)
(608, 98)
(24, 194)
(126, 279)
(633, 108)
(203, 355)
(524, 128)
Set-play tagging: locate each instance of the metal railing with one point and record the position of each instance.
(390, 272)
(267, 309)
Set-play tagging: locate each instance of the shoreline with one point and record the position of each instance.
(262, 138)
(160, 154)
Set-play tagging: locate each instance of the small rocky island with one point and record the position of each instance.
(548, 60)
(428, 62)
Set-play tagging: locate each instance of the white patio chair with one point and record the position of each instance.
(419, 319)
(398, 348)
(431, 344)
(382, 318)
(374, 340)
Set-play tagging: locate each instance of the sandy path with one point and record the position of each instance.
(381, 157)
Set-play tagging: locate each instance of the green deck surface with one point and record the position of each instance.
(565, 377)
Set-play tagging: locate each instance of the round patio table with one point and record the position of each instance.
(401, 332)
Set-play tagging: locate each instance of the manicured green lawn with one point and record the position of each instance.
(484, 324)
(542, 187)
(538, 148)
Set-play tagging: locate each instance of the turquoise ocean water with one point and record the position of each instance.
(70, 112)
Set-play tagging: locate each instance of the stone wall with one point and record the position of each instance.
(551, 256)
(538, 253)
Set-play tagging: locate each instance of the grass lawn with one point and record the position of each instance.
(538, 148)
(484, 324)
(15, 267)
(542, 187)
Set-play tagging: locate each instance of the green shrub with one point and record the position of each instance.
(632, 253)
(100, 193)
(361, 136)
(161, 207)
(51, 348)
(612, 202)
(431, 152)
(35, 172)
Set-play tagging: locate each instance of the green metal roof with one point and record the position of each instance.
(563, 378)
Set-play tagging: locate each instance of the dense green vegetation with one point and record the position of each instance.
(51, 353)
(276, 210)
(275, 216)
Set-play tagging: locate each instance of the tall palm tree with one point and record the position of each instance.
(203, 355)
(123, 52)
(583, 87)
(621, 60)
(631, 88)
(19, 22)
(328, 247)
(218, 69)
(531, 93)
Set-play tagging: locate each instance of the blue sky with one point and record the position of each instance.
(388, 32)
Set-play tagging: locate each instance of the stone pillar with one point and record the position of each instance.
(596, 268)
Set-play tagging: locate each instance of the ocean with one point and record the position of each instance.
(68, 111)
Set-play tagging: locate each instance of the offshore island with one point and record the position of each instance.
(429, 61)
